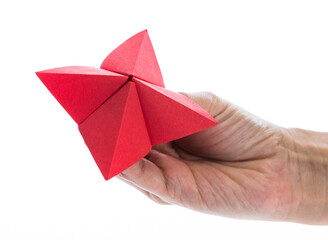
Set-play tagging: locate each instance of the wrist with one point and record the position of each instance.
(307, 152)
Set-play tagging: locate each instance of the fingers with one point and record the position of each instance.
(164, 177)
(208, 101)
(167, 148)
(180, 180)
(148, 194)
(206, 143)
(147, 176)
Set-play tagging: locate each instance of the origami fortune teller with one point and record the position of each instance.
(122, 108)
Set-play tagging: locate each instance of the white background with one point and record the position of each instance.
(270, 57)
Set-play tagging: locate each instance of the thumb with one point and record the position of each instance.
(213, 104)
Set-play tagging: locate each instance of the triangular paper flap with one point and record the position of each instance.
(170, 115)
(135, 57)
(116, 133)
(79, 89)
(133, 141)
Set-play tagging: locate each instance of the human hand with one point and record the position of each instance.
(244, 167)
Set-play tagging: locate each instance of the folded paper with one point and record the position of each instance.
(122, 108)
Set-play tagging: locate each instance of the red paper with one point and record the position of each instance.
(123, 108)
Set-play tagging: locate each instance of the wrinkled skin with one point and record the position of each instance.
(244, 167)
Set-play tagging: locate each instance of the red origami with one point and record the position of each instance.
(122, 109)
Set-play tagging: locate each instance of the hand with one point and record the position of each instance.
(244, 167)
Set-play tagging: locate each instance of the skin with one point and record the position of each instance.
(244, 167)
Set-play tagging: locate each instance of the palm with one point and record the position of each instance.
(234, 168)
